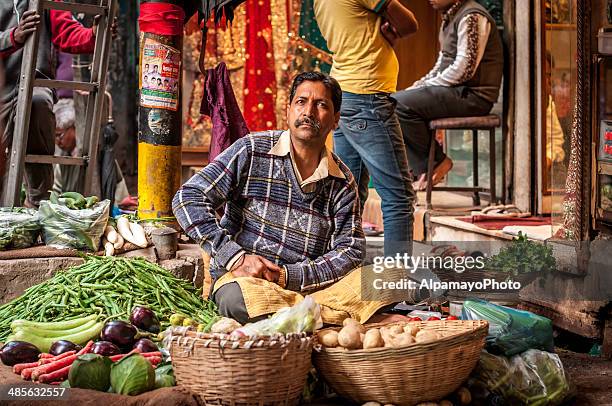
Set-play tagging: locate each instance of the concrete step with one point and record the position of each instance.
(449, 228)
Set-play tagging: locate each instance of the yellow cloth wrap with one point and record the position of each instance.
(338, 301)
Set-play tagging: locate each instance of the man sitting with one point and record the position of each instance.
(291, 223)
(464, 82)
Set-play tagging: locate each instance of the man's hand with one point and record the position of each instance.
(27, 25)
(389, 33)
(257, 267)
(96, 21)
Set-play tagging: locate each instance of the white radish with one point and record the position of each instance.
(111, 234)
(109, 250)
(140, 238)
(119, 243)
(123, 227)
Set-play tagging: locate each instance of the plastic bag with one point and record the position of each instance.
(511, 331)
(68, 228)
(19, 227)
(304, 317)
(532, 378)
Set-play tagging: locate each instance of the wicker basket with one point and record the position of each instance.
(268, 371)
(406, 375)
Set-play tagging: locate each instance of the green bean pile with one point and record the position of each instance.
(109, 286)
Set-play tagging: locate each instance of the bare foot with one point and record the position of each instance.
(29, 204)
(439, 172)
(420, 183)
(387, 318)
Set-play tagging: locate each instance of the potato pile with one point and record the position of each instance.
(353, 336)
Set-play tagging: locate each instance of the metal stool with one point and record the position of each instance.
(486, 123)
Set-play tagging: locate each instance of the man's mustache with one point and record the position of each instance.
(310, 121)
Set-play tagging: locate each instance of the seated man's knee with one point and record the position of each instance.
(230, 302)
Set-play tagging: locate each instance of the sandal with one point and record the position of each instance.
(508, 210)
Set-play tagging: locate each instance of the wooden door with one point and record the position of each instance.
(417, 54)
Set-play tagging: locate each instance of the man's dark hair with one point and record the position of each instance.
(329, 82)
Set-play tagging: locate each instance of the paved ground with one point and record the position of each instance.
(591, 377)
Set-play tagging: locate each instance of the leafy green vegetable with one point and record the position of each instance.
(109, 286)
(132, 375)
(19, 227)
(90, 371)
(66, 227)
(533, 378)
(522, 256)
(164, 376)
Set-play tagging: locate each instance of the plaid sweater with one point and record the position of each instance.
(316, 237)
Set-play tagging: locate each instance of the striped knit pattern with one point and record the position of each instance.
(316, 236)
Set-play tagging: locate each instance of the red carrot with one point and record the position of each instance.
(57, 375)
(154, 360)
(27, 373)
(87, 348)
(58, 364)
(17, 368)
(54, 366)
(118, 357)
(152, 354)
(56, 358)
(45, 355)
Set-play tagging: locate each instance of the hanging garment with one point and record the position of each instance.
(219, 8)
(219, 103)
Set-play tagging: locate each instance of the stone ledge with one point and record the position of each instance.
(16, 275)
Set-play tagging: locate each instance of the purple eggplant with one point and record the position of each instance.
(105, 348)
(119, 332)
(18, 352)
(145, 345)
(144, 319)
(62, 346)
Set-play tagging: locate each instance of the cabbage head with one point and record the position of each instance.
(90, 371)
(132, 375)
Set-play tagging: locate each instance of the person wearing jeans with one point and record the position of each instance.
(369, 141)
(369, 137)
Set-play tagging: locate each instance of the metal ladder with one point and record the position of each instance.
(95, 100)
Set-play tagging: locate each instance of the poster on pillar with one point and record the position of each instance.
(159, 75)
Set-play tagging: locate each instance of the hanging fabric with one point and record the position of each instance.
(260, 80)
(219, 103)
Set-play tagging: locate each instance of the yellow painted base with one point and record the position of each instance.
(159, 177)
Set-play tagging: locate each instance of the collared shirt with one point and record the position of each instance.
(315, 237)
(327, 166)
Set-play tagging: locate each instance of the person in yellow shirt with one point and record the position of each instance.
(369, 137)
